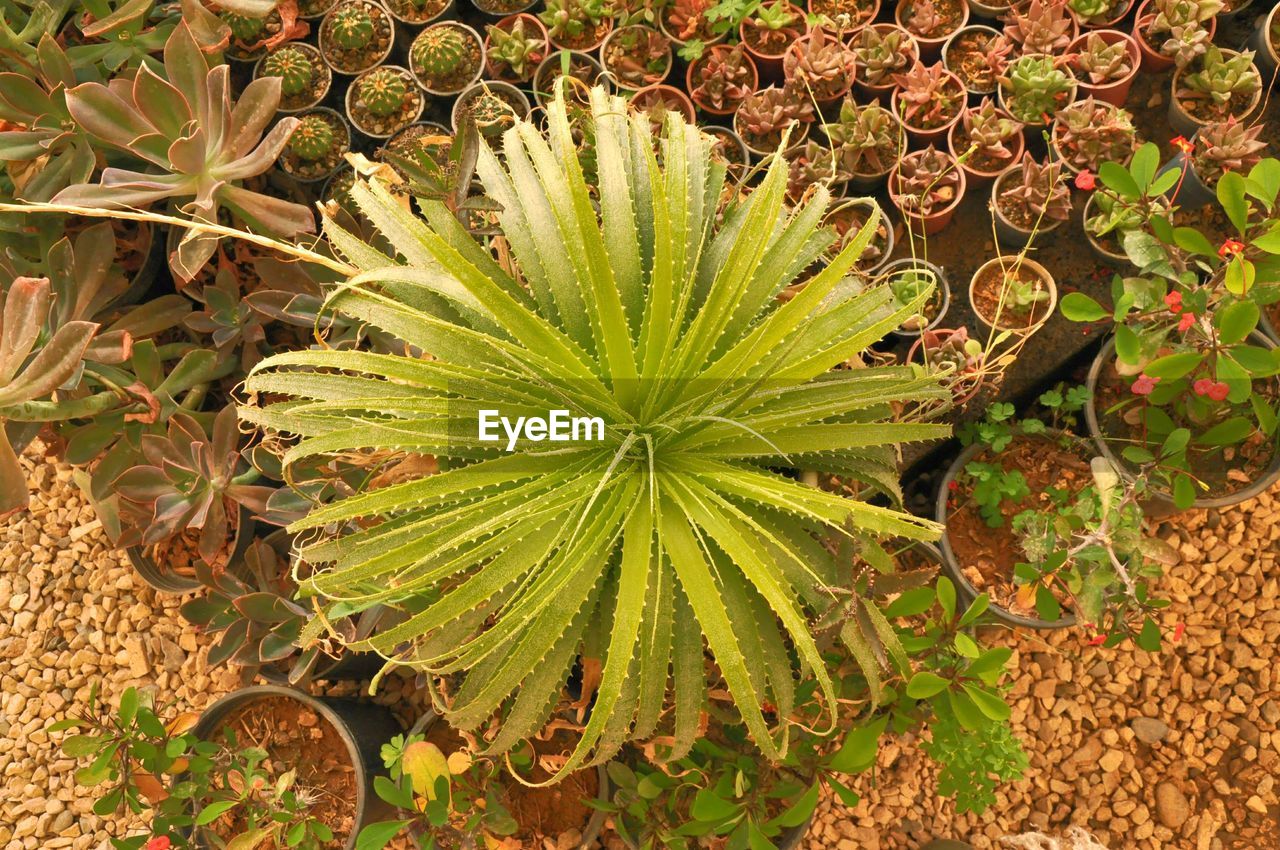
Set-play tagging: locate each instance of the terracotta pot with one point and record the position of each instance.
(641, 99)
(768, 65)
(1186, 124)
(933, 339)
(1055, 152)
(1016, 262)
(1153, 60)
(1009, 234)
(587, 47)
(973, 177)
(691, 82)
(937, 134)
(706, 43)
(883, 90)
(542, 81)
(504, 74)
(1117, 91)
(800, 45)
(1034, 130)
(947, 47)
(987, 11)
(930, 48)
(1117, 17)
(936, 220)
(798, 134)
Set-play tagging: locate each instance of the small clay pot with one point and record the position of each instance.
(650, 95)
(480, 66)
(949, 45)
(626, 85)
(921, 136)
(934, 221)
(505, 74)
(974, 177)
(770, 65)
(1116, 91)
(1118, 14)
(930, 48)
(1153, 60)
(1016, 262)
(691, 80)
(885, 88)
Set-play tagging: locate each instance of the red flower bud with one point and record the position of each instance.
(1230, 248)
(1219, 391)
(1187, 320)
(160, 842)
(1174, 301)
(1085, 180)
(1144, 385)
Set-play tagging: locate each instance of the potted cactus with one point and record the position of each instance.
(867, 142)
(931, 22)
(576, 24)
(636, 56)
(765, 114)
(1219, 85)
(417, 12)
(1174, 32)
(1043, 26)
(1013, 294)
(316, 146)
(1090, 132)
(879, 52)
(929, 101)
(1028, 199)
(985, 142)
(1035, 88)
(304, 76)
(356, 35)
(493, 106)
(1098, 14)
(1217, 148)
(249, 33)
(721, 79)
(926, 186)
(383, 101)
(446, 57)
(1104, 63)
(820, 64)
(514, 47)
(769, 29)
(977, 55)
(689, 24)
(583, 70)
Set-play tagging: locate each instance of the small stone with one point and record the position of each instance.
(1172, 808)
(1255, 804)
(1111, 761)
(1149, 730)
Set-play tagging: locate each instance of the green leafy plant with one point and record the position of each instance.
(656, 528)
(1179, 28)
(1035, 88)
(865, 139)
(518, 49)
(881, 55)
(1130, 196)
(1219, 80)
(1089, 132)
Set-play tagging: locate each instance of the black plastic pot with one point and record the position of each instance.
(1119, 261)
(363, 727)
(955, 570)
(166, 582)
(1194, 192)
(1159, 503)
(1265, 56)
(589, 833)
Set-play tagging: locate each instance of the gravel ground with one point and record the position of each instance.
(1179, 750)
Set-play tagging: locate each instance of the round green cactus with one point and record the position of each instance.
(352, 26)
(245, 29)
(383, 91)
(312, 138)
(293, 67)
(440, 50)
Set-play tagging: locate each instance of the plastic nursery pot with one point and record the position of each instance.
(502, 8)
(950, 59)
(934, 135)
(1118, 12)
(317, 91)
(827, 98)
(663, 96)
(391, 126)
(691, 79)
(1007, 233)
(1115, 259)
(1233, 8)
(362, 727)
(1116, 91)
(862, 13)
(503, 73)
(159, 578)
(987, 11)
(770, 63)
(728, 146)
(1071, 169)
(452, 87)
(1161, 504)
(590, 832)
(934, 221)
(314, 10)
(884, 89)
(354, 62)
(932, 339)
(976, 178)
(1185, 123)
(888, 270)
(1191, 192)
(930, 48)
(416, 15)
(1033, 130)
(840, 208)
(1266, 51)
(589, 42)
(512, 96)
(707, 39)
(582, 66)
(615, 40)
(1152, 59)
(322, 169)
(955, 570)
(1015, 263)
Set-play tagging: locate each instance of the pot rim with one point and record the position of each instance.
(484, 57)
(944, 285)
(1020, 260)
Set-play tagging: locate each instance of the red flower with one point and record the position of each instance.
(1085, 180)
(1097, 640)
(1174, 302)
(953, 485)
(1230, 248)
(1219, 391)
(1178, 631)
(1201, 387)
(1187, 320)
(1181, 143)
(160, 842)
(1144, 385)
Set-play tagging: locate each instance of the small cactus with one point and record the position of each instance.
(244, 29)
(440, 50)
(383, 91)
(352, 27)
(293, 67)
(312, 138)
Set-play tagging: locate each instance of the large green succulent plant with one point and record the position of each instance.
(195, 145)
(673, 536)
